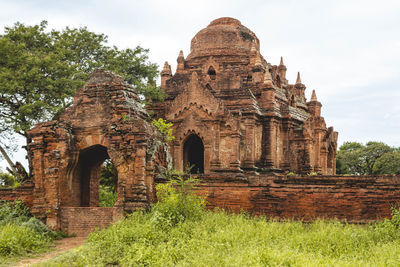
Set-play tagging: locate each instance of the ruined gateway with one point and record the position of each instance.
(236, 119)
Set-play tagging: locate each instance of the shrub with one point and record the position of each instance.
(13, 212)
(165, 128)
(7, 180)
(20, 232)
(177, 202)
(107, 196)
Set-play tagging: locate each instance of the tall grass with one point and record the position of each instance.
(204, 238)
(20, 233)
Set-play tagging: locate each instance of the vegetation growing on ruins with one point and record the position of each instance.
(371, 158)
(21, 233)
(165, 128)
(41, 70)
(179, 232)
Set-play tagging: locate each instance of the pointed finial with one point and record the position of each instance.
(314, 96)
(298, 80)
(181, 57)
(167, 69)
(267, 78)
(281, 64)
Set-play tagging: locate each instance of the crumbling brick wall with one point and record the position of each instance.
(24, 192)
(357, 199)
(105, 121)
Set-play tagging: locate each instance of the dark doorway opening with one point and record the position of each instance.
(88, 175)
(193, 154)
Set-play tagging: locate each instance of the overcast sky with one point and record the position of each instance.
(348, 51)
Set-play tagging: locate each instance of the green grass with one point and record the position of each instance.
(221, 239)
(21, 234)
(179, 232)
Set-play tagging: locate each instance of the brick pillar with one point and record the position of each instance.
(215, 163)
(269, 143)
(249, 158)
(235, 157)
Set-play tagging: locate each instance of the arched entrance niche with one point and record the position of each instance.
(86, 176)
(193, 154)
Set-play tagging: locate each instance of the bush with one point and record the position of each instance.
(18, 240)
(13, 212)
(7, 180)
(107, 196)
(177, 202)
(21, 233)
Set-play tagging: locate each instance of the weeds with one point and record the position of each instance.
(179, 232)
(21, 233)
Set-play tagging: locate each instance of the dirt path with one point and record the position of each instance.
(62, 245)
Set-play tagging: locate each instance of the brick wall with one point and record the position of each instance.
(356, 199)
(23, 192)
(83, 220)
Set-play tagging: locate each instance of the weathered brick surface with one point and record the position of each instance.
(23, 192)
(349, 198)
(247, 114)
(83, 220)
(106, 120)
(235, 116)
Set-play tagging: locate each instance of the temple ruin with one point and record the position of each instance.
(239, 124)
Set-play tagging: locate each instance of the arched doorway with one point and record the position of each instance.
(193, 154)
(87, 176)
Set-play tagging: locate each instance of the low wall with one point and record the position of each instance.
(23, 192)
(83, 220)
(357, 199)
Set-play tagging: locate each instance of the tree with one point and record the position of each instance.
(372, 158)
(389, 163)
(40, 71)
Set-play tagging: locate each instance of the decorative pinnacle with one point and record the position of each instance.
(314, 96)
(167, 69)
(181, 57)
(281, 64)
(298, 80)
(267, 78)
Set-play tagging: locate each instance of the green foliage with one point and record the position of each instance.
(165, 128)
(222, 239)
(177, 202)
(108, 173)
(20, 233)
(7, 180)
(388, 163)
(40, 71)
(17, 240)
(372, 158)
(107, 196)
(108, 177)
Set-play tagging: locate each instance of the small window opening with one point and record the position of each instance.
(211, 72)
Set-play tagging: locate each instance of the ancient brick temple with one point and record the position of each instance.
(106, 121)
(234, 111)
(237, 122)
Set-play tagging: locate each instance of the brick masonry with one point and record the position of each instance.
(357, 199)
(235, 117)
(83, 220)
(23, 192)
